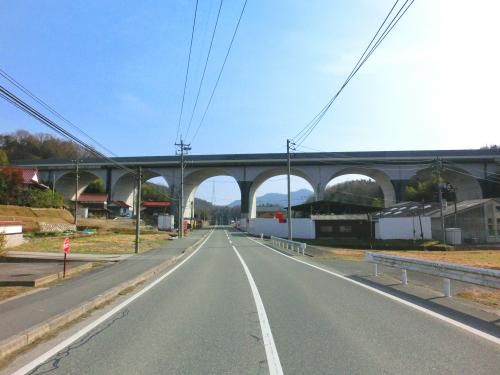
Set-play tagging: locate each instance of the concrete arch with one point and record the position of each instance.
(266, 175)
(381, 178)
(125, 186)
(466, 185)
(194, 179)
(66, 183)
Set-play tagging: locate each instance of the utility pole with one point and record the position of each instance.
(138, 210)
(183, 147)
(289, 145)
(440, 195)
(77, 172)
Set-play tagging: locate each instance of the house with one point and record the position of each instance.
(405, 221)
(118, 209)
(93, 205)
(270, 212)
(30, 177)
(151, 210)
(343, 226)
(478, 220)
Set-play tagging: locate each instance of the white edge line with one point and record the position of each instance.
(434, 314)
(56, 349)
(273, 360)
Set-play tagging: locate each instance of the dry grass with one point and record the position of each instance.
(343, 254)
(488, 298)
(108, 243)
(32, 216)
(475, 258)
(11, 291)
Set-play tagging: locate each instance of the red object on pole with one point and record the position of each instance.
(66, 249)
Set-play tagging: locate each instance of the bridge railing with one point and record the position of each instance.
(299, 247)
(473, 275)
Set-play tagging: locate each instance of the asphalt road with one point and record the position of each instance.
(206, 318)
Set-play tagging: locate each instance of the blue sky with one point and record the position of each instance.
(116, 69)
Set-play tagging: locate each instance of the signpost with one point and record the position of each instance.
(66, 249)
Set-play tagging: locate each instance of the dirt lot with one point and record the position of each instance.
(106, 243)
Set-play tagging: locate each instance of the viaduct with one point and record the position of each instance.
(474, 174)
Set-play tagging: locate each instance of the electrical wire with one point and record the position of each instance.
(26, 108)
(204, 68)
(220, 72)
(187, 71)
(304, 133)
(44, 104)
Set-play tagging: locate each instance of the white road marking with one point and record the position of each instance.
(56, 349)
(456, 323)
(273, 360)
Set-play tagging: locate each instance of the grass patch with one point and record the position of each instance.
(488, 298)
(105, 243)
(11, 291)
(474, 258)
(343, 254)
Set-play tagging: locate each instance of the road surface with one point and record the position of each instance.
(238, 307)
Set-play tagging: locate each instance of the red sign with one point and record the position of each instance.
(66, 245)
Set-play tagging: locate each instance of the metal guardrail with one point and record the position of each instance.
(473, 275)
(299, 247)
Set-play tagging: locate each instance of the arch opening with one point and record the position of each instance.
(270, 189)
(376, 190)
(456, 184)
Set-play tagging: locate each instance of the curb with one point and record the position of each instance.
(27, 337)
(49, 278)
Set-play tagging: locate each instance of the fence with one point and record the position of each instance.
(473, 275)
(299, 247)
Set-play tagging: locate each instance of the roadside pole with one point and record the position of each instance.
(66, 249)
(289, 210)
(440, 195)
(76, 186)
(183, 147)
(138, 210)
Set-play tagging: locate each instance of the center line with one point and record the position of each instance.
(273, 360)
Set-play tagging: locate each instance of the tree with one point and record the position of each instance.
(4, 160)
(425, 188)
(11, 184)
(95, 187)
(363, 192)
(154, 192)
(32, 197)
(22, 145)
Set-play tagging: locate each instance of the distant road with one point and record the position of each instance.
(250, 310)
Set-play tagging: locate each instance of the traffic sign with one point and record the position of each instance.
(66, 245)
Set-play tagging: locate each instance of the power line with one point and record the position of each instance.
(26, 108)
(220, 72)
(51, 109)
(204, 68)
(302, 135)
(187, 70)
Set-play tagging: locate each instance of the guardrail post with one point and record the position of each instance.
(375, 269)
(446, 287)
(404, 277)
(261, 236)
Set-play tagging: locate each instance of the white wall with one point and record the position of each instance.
(11, 229)
(392, 228)
(301, 228)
